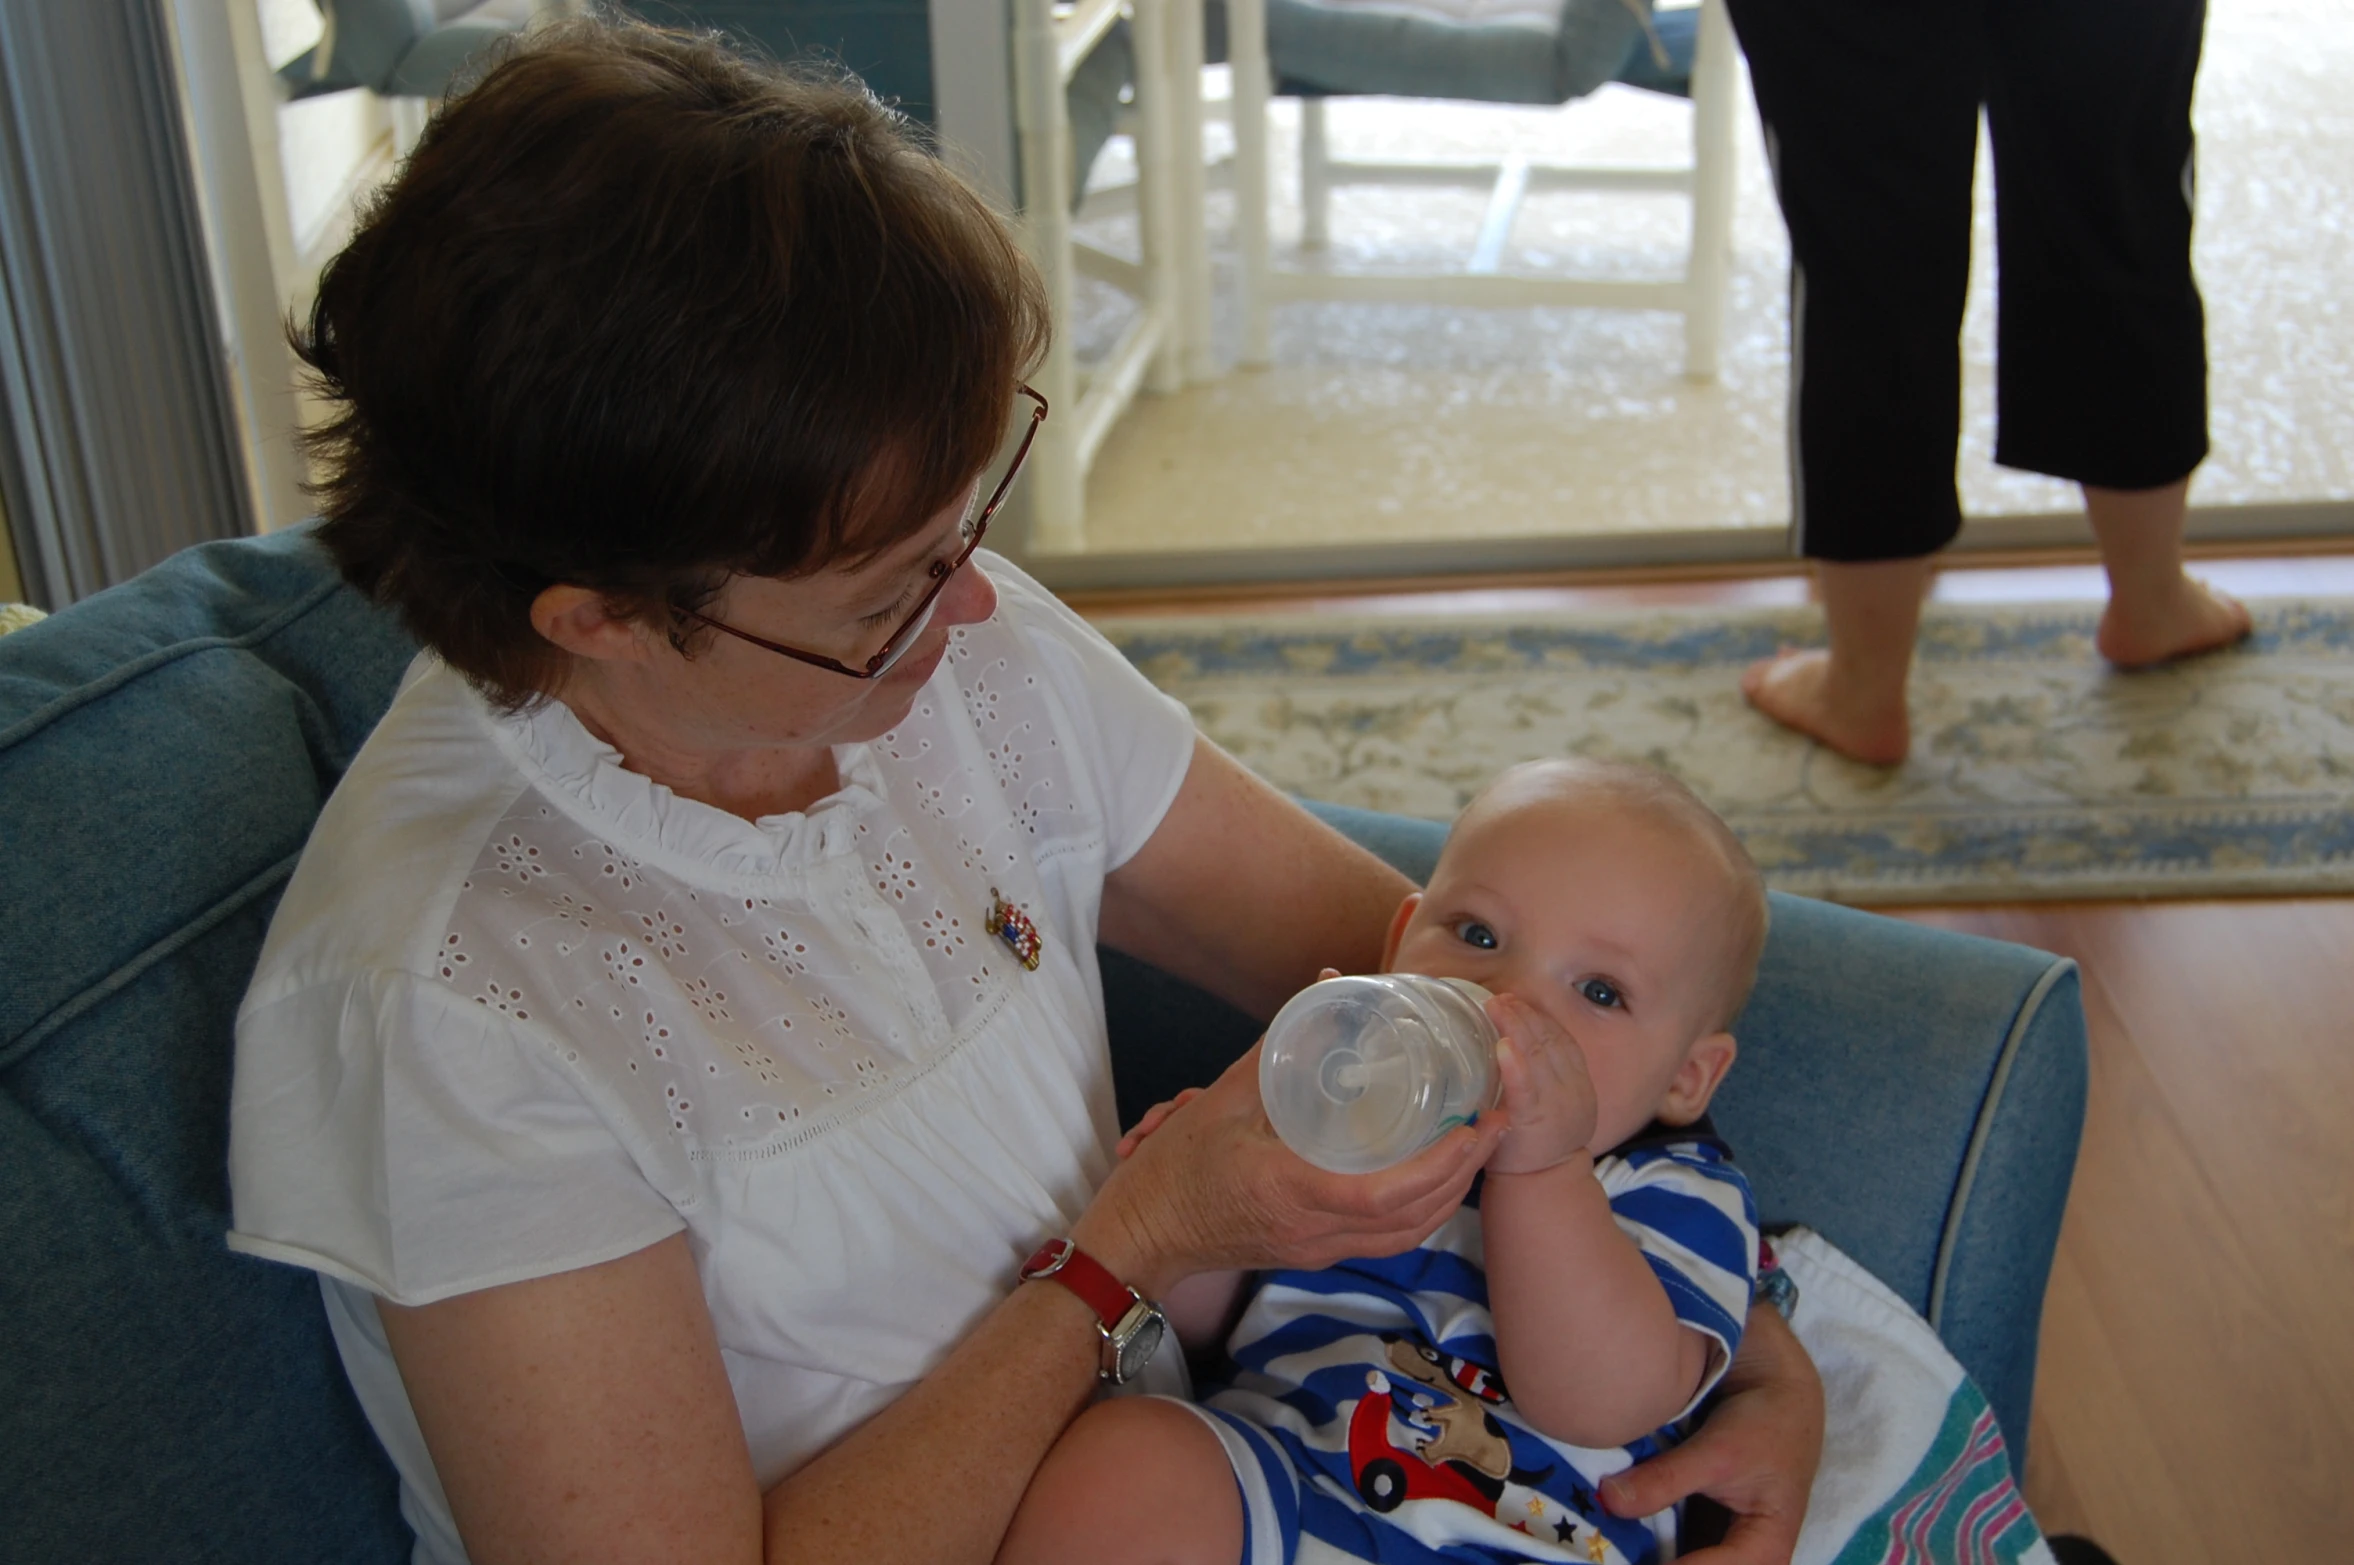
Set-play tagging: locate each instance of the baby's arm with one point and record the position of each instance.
(1587, 1339)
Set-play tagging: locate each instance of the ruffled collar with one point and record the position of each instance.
(583, 775)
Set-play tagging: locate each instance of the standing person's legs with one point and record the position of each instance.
(1871, 119)
(2156, 611)
(2101, 346)
(1850, 694)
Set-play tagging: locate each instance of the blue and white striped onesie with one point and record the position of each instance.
(1366, 1421)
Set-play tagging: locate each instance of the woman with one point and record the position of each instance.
(684, 1019)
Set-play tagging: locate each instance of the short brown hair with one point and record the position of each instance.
(639, 314)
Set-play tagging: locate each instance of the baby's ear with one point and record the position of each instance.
(1397, 935)
(1696, 1079)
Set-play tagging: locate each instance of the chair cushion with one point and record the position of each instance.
(163, 749)
(1488, 51)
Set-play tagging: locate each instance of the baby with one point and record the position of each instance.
(1462, 1400)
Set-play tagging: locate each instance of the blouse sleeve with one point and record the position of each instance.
(1690, 1212)
(396, 1136)
(1133, 742)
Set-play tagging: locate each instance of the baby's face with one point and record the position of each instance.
(1601, 916)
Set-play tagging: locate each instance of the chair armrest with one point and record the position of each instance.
(1916, 1096)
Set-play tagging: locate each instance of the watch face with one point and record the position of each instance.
(1139, 1338)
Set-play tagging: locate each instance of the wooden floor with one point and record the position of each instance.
(2195, 1401)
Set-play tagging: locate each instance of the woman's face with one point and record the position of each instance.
(733, 696)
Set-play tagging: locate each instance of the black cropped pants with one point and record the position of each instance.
(1871, 114)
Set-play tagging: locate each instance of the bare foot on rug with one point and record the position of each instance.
(2196, 619)
(1793, 688)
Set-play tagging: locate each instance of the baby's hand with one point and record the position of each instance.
(1153, 1118)
(1549, 1107)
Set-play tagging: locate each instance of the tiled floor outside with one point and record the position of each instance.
(1391, 423)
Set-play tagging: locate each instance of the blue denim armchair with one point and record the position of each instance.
(164, 748)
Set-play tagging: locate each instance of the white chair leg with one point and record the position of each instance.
(1315, 177)
(1155, 210)
(1246, 33)
(1709, 268)
(1042, 117)
(1189, 190)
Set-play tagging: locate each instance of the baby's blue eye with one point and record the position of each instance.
(1601, 992)
(1474, 933)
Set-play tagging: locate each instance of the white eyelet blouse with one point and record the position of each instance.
(522, 1010)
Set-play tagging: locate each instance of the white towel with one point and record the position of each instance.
(1914, 1468)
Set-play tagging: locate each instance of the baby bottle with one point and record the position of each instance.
(1362, 1072)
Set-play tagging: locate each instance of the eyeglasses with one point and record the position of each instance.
(891, 651)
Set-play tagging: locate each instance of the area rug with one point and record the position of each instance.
(2036, 770)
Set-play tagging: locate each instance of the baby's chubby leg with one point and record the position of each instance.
(1133, 1481)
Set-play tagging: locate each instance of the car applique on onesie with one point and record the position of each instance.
(1453, 1447)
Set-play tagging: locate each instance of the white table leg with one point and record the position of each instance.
(1708, 272)
(1315, 177)
(1190, 188)
(1156, 210)
(1246, 35)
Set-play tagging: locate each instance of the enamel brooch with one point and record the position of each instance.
(1011, 925)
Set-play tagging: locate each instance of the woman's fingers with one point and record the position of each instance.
(1755, 1452)
(1442, 1169)
(1213, 1187)
(1144, 1127)
(1762, 1531)
(1751, 1540)
(1389, 1211)
(1152, 1120)
(1675, 1475)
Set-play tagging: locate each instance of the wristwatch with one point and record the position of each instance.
(1132, 1325)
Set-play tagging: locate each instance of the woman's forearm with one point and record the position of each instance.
(587, 1416)
(1586, 1337)
(935, 1476)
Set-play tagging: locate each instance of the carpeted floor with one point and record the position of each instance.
(2036, 772)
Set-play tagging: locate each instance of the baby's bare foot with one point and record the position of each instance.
(1793, 688)
(2196, 619)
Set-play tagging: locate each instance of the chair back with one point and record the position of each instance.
(164, 748)
(399, 48)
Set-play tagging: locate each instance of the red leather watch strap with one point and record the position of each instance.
(1084, 1275)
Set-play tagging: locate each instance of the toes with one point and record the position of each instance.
(1758, 675)
(2229, 620)
(2207, 621)
(2243, 622)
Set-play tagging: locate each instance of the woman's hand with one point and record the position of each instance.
(1755, 1453)
(1208, 1186)
(1152, 1120)
(1548, 1098)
